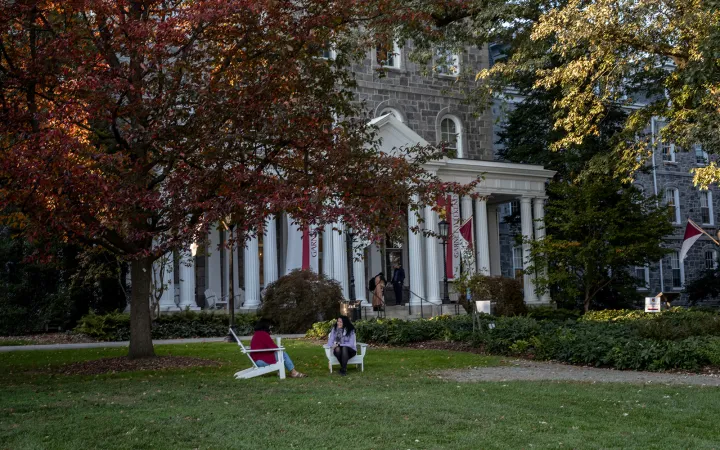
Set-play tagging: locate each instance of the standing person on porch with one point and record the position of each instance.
(342, 342)
(378, 299)
(398, 279)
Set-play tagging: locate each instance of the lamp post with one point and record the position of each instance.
(350, 238)
(443, 228)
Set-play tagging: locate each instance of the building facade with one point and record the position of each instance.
(408, 104)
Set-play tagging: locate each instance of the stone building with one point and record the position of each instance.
(408, 104)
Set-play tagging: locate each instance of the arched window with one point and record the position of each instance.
(395, 113)
(450, 133)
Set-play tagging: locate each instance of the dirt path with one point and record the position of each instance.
(522, 370)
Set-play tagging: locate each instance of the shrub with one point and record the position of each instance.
(299, 299)
(675, 339)
(505, 293)
(189, 324)
(550, 313)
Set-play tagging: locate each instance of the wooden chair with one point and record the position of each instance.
(256, 371)
(358, 359)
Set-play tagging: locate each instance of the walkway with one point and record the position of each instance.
(22, 348)
(523, 370)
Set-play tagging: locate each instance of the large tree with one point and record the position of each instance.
(658, 57)
(137, 124)
(598, 226)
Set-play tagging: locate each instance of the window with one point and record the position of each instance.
(642, 273)
(395, 113)
(706, 209)
(387, 54)
(667, 148)
(701, 156)
(678, 275)
(327, 52)
(447, 62)
(517, 261)
(450, 134)
(672, 200)
(514, 207)
(710, 259)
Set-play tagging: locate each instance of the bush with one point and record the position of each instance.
(189, 324)
(550, 313)
(505, 293)
(297, 300)
(625, 339)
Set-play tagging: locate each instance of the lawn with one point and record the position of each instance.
(395, 404)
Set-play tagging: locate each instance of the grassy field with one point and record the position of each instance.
(395, 404)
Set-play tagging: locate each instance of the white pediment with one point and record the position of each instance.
(395, 134)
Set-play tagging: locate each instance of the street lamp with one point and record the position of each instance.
(350, 238)
(443, 228)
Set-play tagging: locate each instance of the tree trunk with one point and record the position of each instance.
(586, 303)
(141, 345)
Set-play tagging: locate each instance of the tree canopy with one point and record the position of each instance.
(137, 124)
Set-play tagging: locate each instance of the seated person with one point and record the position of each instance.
(261, 340)
(342, 342)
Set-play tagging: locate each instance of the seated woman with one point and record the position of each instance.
(342, 342)
(261, 340)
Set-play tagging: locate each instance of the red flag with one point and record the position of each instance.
(466, 231)
(306, 248)
(692, 234)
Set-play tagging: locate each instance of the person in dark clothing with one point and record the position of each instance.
(397, 280)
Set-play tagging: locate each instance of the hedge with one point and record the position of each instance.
(188, 324)
(677, 339)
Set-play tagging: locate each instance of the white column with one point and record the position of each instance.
(252, 274)
(270, 263)
(340, 269)
(163, 279)
(482, 244)
(431, 260)
(226, 267)
(236, 272)
(527, 233)
(415, 258)
(187, 281)
(494, 240)
(359, 272)
(467, 212)
(328, 256)
(539, 207)
(214, 271)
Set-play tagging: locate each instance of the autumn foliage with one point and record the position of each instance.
(136, 125)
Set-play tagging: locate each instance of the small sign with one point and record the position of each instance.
(652, 304)
(483, 306)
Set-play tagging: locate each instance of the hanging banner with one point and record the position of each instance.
(454, 248)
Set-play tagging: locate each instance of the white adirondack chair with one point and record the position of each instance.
(358, 359)
(213, 301)
(256, 371)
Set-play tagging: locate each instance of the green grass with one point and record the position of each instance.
(395, 404)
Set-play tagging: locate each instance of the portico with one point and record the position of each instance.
(282, 247)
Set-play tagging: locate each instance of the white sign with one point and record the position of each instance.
(483, 306)
(652, 304)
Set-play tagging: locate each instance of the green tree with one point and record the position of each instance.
(597, 230)
(660, 56)
(598, 226)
